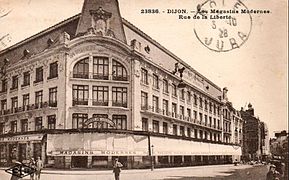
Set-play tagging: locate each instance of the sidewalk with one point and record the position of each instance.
(128, 171)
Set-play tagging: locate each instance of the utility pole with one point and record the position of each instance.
(150, 151)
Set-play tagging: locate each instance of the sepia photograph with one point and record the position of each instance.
(143, 90)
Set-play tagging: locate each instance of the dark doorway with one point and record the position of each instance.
(79, 161)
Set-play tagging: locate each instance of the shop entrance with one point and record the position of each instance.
(79, 161)
(22, 152)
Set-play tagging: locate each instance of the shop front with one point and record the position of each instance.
(94, 150)
(21, 148)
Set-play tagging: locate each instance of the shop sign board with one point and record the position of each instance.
(31, 137)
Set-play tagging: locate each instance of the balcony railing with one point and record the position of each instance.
(100, 76)
(119, 104)
(80, 102)
(100, 103)
(119, 78)
(83, 76)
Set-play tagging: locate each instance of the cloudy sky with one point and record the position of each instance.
(256, 72)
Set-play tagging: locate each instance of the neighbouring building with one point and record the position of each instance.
(279, 144)
(255, 136)
(94, 87)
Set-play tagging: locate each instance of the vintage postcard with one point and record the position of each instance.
(143, 89)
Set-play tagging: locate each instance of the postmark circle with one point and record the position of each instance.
(223, 25)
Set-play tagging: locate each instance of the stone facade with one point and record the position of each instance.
(94, 87)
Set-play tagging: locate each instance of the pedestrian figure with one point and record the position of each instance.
(39, 167)
(117, 168)
(32, 164)
(272, 173)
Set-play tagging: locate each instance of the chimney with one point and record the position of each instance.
(225, 91)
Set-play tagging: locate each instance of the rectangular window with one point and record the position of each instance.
(119, 96)
(2, 128)
(14, 82)
(53, 70)
(14, 104)
(144, 100)
(165, 107)
(201, 102)
(156, 127)
(26, 79)
(155, 104)
(38, 99)
(189, 97)
(201, 117)
(182, 94)
(206, 120)
(165, 128)
(201, 134)
(174, 90)
(182, 112)
(100, 68)
(145, 125)
(100, 95)
(80, 95)
(195, 100)
(210, 106)
(155, 81)
(78, 120)
(25, 102)
(51, 121)
(39, 74)
(165, 86)
(120, 121)
(38, 123)
(53, 97)
(182, 130)
(195, 115)
(174, 110)
(24, 125)
(4, 85)
(210, 121)
(175, 129)
(195, 133)
(189, 114)
(144, 76)
(13, 126)
(4, 105)
(189, 132)
(206, 105)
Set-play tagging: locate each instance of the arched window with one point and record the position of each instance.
(80, 69)
(119, 72)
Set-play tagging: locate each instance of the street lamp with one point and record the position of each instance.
(150, 147)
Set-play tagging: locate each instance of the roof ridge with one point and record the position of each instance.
(169, 52)
(40, 33)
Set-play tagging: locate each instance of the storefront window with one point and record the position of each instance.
(37, 149)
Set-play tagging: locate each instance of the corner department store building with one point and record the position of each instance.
(95, 87)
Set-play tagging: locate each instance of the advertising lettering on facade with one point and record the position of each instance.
(22, 138)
